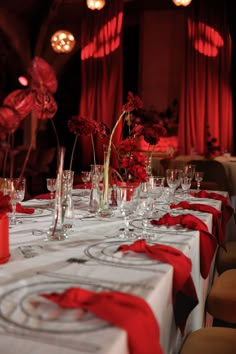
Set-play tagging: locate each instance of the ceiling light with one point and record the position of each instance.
(182, 2)
(96, 4)
(62, 41)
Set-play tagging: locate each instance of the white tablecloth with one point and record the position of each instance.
(28, 325)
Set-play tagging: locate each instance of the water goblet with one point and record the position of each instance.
(189, 171)
(186, 184)
(172, 180)
(16, 191)
(85, 176)
(199, 177)
(127, 198)
(51, 186)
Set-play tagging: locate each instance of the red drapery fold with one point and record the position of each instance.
(101, 66)
(206, 97)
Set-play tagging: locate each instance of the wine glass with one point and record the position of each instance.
(199, 177)
(127, 198)
(172, 179)
(51, 186)
(16, 191)
(189, 171)
(186, 184)
(85, 176)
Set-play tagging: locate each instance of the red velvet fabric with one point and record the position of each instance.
(126, 311)
(184, 293)
(208, 242)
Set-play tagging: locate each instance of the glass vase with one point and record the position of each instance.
(105, 210)
(56, 231)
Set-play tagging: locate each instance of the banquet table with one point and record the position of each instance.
(89, 259)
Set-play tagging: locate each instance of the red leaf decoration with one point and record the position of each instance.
(42, 74)
(45, 105)
(21, 101)
(9, 120)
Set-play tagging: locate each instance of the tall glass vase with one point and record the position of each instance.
(56, 231)
(105, 209)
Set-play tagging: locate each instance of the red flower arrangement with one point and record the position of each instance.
(37, 98)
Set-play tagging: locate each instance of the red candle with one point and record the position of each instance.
(4, 239)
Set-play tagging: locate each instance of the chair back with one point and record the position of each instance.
(214, 174)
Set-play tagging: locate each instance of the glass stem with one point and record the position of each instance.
(13, 217)
(198, 186)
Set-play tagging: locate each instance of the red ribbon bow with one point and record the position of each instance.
(126, 311)
(216, 214)
(184, 293)
(208, 243)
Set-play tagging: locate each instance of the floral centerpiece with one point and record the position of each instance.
(132, 165)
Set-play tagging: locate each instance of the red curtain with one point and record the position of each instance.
(206, 97)
(101, 65)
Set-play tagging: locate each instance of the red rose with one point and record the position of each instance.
(138, 173)
(127, 145)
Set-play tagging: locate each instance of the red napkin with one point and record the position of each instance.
(216, 214)
(21, 209)
(184, 293)
(44, 196)
(208, 243)
(227, 209)
(126, 311)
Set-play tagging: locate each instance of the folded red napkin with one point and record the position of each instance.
(21, 209)
(208, 242)
(227, 209)
(126, 311)
(216, 214)
(44, 196)
(184, 293)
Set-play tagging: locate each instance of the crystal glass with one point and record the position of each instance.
(85, 176)
(16, 191)
(186, 184)
(199, 177)
(189, 171)
(127, 198)
(51, 186)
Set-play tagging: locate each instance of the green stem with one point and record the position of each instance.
(107, 159)
(73, 151)
(94, 155)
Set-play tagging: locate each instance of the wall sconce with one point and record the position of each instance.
(182, 2)
(62, 41)
(96, 4)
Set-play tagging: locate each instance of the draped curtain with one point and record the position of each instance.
(206, 95)
(101, 72)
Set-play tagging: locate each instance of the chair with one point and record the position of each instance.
(221, 300)
(226, 258)
(210, 340)
(215, 177)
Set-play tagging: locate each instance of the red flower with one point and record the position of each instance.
(138, 173)
(5, 205)
(127, 145)
(82, 126)
(42, 75)
(9, 121)
(152, 133)
(134, 103)
(21, 101)
(44, 105)
(103, 131)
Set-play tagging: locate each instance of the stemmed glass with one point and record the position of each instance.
(127, 198)
(189, 171)
(172, 179)
(186, 184)
(199, 177)
(85, 176)
(16, 191)
(51, 186)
